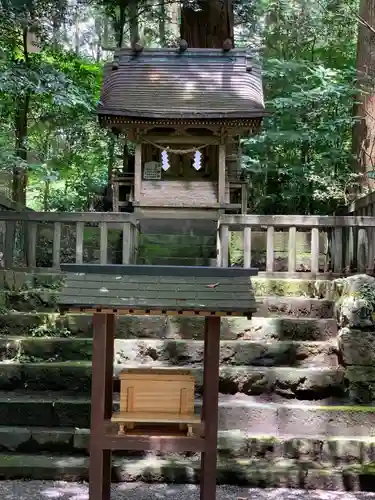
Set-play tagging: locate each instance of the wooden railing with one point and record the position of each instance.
(364, 206)
(47, 239)
(288, 244)
(342, 244)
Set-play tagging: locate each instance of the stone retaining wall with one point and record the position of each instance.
(356, 338)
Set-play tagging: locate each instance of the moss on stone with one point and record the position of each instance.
(16, 281)
(36, 300)
(52, 281)
(348, 408)
(173, 246)
(20, 323)
(264, 287)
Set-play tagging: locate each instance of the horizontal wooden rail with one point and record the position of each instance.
(271, 243)
(68, 217)
(338, 244)
(236, 222)
(362, 206)
(38, 239)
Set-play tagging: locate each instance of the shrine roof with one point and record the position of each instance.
(134, 289)
(158, 84)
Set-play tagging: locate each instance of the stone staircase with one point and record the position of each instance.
(179, 242)
(285, 415)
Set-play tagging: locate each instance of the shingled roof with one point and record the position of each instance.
(196, 84)
(161, 289)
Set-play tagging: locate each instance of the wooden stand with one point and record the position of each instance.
(103, 440)
(108, 291)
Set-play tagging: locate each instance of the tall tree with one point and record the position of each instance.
(208, 24)
(22, 23)
(364, 129)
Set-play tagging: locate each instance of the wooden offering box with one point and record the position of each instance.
(156, 397)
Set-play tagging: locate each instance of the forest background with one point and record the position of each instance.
(315, 149)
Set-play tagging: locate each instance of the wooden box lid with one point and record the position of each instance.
(160, 373)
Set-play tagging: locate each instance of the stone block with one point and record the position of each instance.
(13, 438)
(357, 347)
(360, 384)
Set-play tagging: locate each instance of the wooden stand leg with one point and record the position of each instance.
(101, 405)
(100, 474)
(205, 350)
(210, 407)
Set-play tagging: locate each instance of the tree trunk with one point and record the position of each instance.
(162, 23)
(20, 170)
(77, 37)
(99, 34)
(119, 25)
(364, 129)
(174, 13)
(208, 27)
(22, 106)
(134, 22)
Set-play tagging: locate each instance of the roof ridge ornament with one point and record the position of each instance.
(138, 47)
(227, 45)
(183, 45)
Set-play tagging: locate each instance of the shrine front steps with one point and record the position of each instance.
(255, 460)
(235, 445)
(254, 415)
(170, 352)
(253, 473)
(295, 323)
(302, 383)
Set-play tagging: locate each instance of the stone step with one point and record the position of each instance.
(295, 307)
(302, 383)
(172, 327)
(180, 227)
(245, 472)
(231, 444)
(272, 416)
(304, 286)
(174, 352)
(283, 328)
(155, 260)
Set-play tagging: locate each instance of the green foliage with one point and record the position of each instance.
(301, 162)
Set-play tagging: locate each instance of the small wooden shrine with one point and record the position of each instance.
(185, 110)
(160, 397)
(156, 407)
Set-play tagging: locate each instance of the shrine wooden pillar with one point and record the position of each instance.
(137, 172)
(211, 362)
(221, 174)
(101, 404)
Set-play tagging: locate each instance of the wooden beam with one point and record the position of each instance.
(244, 196)
(101, 404)
(181, 139)
(307, 221)
(115, 196)
(67, 217)
(138, 173)
(221, 180)
(211, 364)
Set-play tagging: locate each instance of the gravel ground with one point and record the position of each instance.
(58, 490)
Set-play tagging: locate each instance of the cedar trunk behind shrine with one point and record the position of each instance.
(208, 27)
